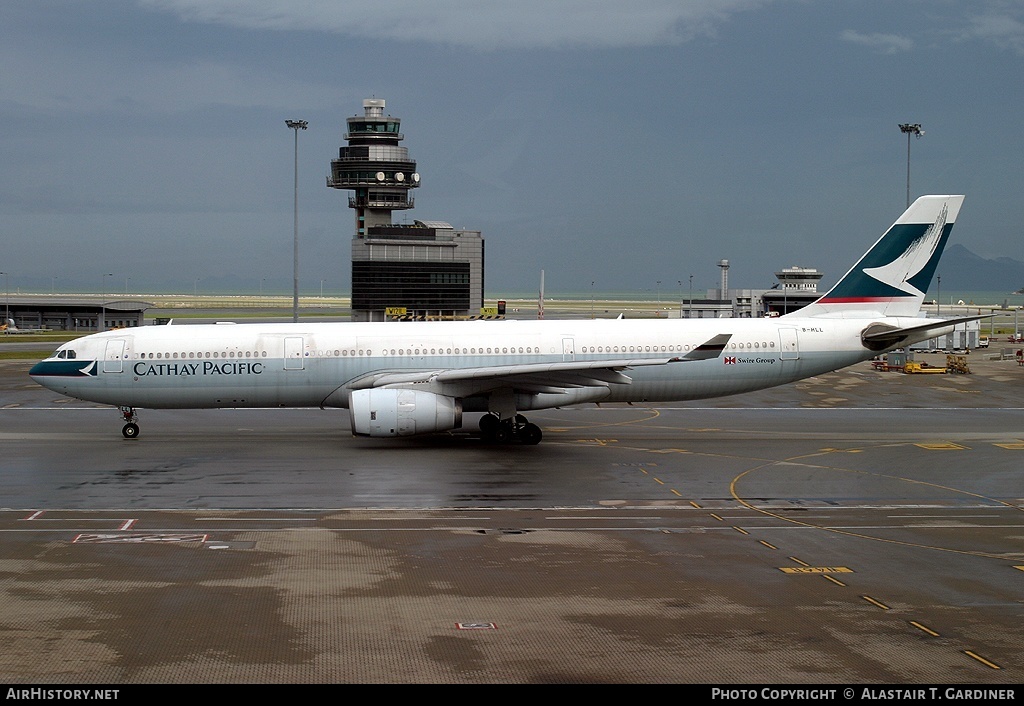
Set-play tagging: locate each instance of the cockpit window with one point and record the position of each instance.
(65, 354)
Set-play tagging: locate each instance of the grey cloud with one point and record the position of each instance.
(479, 24)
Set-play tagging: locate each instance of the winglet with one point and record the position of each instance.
(711, 348)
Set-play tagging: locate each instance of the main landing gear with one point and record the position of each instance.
(504, 431)
(130, 430)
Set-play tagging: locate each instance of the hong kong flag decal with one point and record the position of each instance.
(729, 360)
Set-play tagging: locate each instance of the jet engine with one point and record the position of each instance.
(399, 412)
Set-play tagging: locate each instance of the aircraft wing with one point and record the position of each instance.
(531, 377)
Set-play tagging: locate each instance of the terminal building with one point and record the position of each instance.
(797, 287)
(418, 270)
(25, 312)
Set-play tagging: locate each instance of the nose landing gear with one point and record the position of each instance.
(130, 430)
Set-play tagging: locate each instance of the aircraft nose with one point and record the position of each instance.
(41, 374)
(53, 374)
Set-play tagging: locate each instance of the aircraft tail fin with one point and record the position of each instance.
(891, 279)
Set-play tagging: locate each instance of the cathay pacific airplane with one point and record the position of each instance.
(405, 378)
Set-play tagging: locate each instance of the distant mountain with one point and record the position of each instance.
(963, 271)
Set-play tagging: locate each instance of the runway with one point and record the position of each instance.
(859, 527)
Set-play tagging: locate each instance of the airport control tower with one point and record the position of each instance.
(425, 269)
(375, 167)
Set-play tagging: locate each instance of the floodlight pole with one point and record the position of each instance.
(910, 129)
(689, 305)
(296, 125)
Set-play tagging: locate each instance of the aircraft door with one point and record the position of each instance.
(568, 349)
(113, 357)
(293, 353)
(790, 344)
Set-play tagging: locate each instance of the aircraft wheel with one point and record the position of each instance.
(130, 431)
(502, 434)
(488, 423)
(530, 434)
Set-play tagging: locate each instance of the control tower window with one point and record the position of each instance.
(389, 127)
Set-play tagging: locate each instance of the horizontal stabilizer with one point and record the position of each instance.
(881, 337)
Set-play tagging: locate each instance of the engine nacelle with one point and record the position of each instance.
(397, 412)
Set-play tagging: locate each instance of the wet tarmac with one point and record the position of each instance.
(860, 527)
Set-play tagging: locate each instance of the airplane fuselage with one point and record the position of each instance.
(315, 365)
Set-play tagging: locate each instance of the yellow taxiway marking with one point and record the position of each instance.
(676, 492)
(734, 484)
(923, 628)
(717, 517)
(1014, 446)
(981, 659)
(695, 505)
(797, 561)
(833, 580)
(740, 530)
(942, 446)
(815, 570)
(770, 546)
(871, 600)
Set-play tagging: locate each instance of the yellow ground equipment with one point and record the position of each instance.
(957, 364)
(915, 367)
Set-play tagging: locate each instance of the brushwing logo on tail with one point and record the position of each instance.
(895, 273)
(913, 260)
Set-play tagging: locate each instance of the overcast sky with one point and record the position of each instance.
(620, 143)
